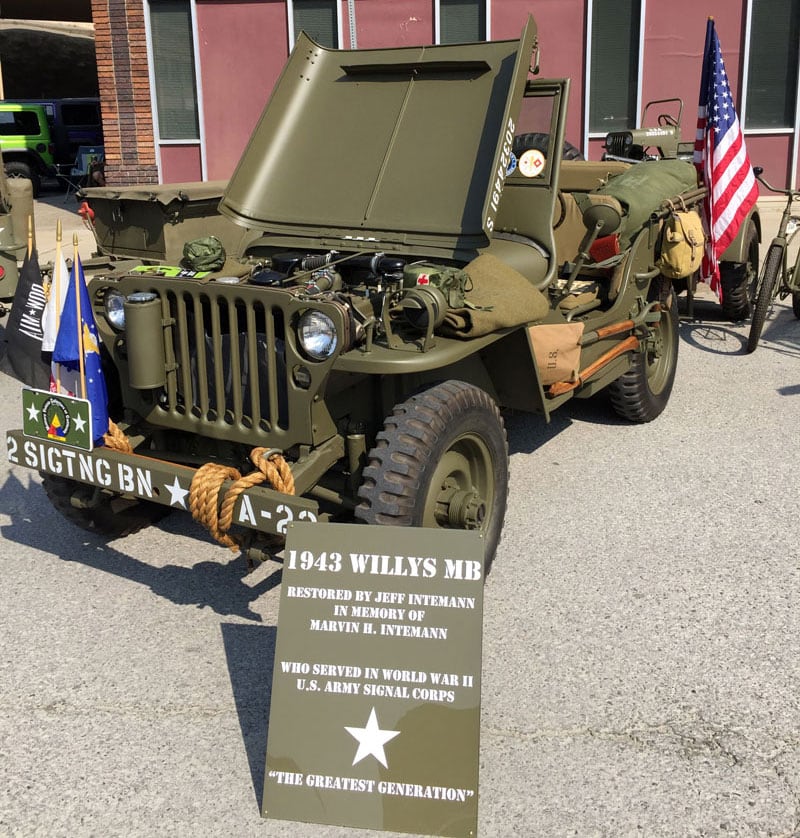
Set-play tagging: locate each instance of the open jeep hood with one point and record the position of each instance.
(401, 145)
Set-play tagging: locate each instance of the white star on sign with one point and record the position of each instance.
(33, 412)
(177, 494)
(371, 740)
(80, 423)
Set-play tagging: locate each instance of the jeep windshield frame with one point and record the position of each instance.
(398, 146)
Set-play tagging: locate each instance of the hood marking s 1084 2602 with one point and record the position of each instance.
(501, 172)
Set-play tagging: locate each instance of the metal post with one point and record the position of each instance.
(351, 15)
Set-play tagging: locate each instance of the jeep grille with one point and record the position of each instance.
(226, 365)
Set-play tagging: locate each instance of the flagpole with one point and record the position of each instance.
(79, 321)
(30, 236)
(57, 265)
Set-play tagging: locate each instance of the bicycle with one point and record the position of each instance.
(776, 264)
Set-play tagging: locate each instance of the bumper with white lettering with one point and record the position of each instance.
(258, 507)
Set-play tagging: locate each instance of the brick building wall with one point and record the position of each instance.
(122, 73)
(241, 45)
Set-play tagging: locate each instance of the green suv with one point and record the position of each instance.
(26, 142)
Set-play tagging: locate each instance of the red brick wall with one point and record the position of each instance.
(122, 74)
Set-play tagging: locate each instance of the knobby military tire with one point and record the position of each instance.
(448, 438)
(642, 393)
(796, 304)
(766, 286)
(739, 280)
(113, 516)
(540, 141)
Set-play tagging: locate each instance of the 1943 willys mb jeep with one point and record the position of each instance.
(410, 267)
(738, 265)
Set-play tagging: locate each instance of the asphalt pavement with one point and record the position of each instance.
(53, 206)
(641, 650)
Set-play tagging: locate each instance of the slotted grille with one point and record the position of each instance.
(229, 358)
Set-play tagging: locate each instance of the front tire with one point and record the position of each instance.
(642, 393)
(112, 516)
(772, 267)
(441, 460)
(739, 280)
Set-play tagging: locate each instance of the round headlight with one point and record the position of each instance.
(115, 311)
(316, 333)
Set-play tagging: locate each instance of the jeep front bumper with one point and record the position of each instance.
(158, 481)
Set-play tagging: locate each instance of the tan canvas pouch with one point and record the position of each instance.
(681, 245)
(557, 351)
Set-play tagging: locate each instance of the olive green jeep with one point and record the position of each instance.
(660, 139)
(406, 263)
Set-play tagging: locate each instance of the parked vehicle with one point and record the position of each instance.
(778, 279)
(11, 247)
(27, 143)
(74, 122)
(410, 263)
(662, 141)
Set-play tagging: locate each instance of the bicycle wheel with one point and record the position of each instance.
(772, 267)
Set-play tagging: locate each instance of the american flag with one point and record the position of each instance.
(721, 160)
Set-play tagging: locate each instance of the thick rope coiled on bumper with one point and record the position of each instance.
(115, 438)
(208, 479)
(204, 491)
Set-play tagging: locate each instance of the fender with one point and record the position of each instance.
(737, 249)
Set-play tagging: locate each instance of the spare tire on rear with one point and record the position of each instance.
(541, 142)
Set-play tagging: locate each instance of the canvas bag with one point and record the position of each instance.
(205, 254)
(682, 242)
(557, 350)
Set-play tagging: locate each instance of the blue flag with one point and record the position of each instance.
(71, 344)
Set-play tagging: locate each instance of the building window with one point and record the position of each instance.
(173, 69)
(772, 64)
(319, 19)
(461, 21)
(614, 65)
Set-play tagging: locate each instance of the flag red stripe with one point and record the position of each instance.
(721, 159)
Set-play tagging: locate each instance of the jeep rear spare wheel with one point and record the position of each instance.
(441, 460)
(94, 510)
(541, 142)
(642, 393)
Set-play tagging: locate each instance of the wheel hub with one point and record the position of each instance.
(462, 509)
(654, 345)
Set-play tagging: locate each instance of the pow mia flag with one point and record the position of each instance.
(23, 358)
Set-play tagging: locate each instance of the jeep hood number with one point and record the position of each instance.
(391, 144)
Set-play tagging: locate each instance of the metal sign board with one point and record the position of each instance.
(57, 417)
(375, 710)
